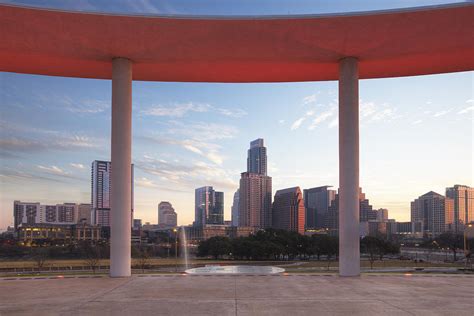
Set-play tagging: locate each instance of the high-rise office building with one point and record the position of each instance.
(216, 215)
(100, 192)
(255, 191)
(463, 199)
(167, 215)
(317, 202)
(26, 212)
(382, 215)
(288, 210)
(58, 214)
(84, 213)
(235, 209)
(430, 208)
(208, 206)
(366, 213)
(255, 203)
(257, 157)
(67, 212)
(137, 224)
(51, 213)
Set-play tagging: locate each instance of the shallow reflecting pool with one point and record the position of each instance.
(236, 270)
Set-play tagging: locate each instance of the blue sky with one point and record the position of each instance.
(416, 132)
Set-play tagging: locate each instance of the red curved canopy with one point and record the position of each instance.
(246, 49)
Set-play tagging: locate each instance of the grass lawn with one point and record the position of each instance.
(288, 265)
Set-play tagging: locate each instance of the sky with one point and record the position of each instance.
(416, 132)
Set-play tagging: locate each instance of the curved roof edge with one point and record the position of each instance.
(252, 17)
(391, 43)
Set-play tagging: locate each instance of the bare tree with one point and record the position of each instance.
(143, 259)
(40, 257)
(92, 255)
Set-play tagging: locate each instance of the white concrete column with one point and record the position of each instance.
(349, 252)
(120, 195)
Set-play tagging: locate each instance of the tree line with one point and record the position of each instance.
(272, 244)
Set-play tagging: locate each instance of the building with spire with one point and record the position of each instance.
(255, 192)
(257, 157)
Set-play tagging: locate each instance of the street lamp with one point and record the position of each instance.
(466, 250)
(176, 248)
(437, 253)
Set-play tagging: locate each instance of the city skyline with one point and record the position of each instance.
(46, 156)
(143, 141)
(416, 133)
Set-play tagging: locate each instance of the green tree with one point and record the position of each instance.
(215, 246)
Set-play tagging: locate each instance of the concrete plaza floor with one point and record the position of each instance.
(240, 295)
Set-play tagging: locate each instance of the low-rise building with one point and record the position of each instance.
(29, 234)
(194, 233)
(54, 214)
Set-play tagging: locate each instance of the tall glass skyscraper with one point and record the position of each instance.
(317, 202)
(235, 209)
(208, 207)
(100, 192)
(257, 158)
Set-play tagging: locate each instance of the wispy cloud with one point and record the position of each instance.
(186, 176)
(15, 175)
(181, 109)
(309, 99)
(143, 6)
(145, 183)
(77, 166)
(334, 123)
(53, 170)
(372, 112)
(23, 144)
(368, 111)
(38, 173)
(296, 124)
(417, 122)
(467, 110)
(441, 113)
(321, 118)
(177, 110)
(236, 113)
(202, 148)
(74, 105)
(24, 139)
(202, 130)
